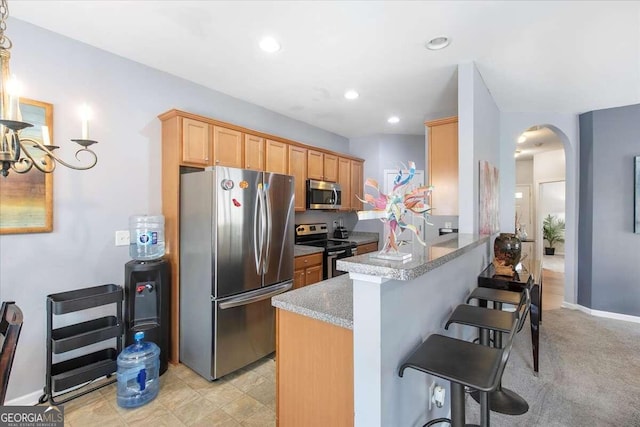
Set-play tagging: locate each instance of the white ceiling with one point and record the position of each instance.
(534, 56)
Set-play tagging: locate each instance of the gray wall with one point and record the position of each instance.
(89, 206)
(478, 139)
(382, 152)
(608, 267)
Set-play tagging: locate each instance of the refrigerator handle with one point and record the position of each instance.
(262, 294)
(268, 237)
(257, 233)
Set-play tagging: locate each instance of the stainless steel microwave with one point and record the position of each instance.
(323, 195)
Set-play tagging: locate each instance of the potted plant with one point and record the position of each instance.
(552, 232)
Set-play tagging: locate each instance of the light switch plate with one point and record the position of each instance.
(122, 238)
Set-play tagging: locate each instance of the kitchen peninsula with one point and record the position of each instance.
(340, 342)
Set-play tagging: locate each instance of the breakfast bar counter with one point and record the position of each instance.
(340, 342)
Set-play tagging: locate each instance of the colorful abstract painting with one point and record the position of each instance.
(489, 199)
(637, 202)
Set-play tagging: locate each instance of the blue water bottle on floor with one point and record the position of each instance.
(138, 373)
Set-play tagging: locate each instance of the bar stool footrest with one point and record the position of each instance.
(504, 401)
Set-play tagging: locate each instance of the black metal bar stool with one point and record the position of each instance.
(501, 399)
(463, 363)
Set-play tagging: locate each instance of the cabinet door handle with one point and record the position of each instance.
(217, 161)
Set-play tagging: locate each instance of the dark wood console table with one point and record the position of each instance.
(518, 282)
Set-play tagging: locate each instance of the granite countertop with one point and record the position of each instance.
(330, 301)
(302, 250)
(425, 258)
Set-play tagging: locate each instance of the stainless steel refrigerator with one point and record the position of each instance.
(236, 252)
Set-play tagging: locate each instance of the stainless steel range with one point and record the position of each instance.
(318, 235)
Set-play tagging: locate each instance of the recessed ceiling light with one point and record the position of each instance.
(522, 138)
(269, 44)
(438, 43)
(351, 94)
(393, 119)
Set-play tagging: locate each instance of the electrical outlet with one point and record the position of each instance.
(431, 389)
(122, 238)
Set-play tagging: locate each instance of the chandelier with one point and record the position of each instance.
(13, 152)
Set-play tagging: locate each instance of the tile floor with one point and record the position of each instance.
(243, 398)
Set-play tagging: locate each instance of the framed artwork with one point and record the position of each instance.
(26, 200)
(489, 199)
(637, 198)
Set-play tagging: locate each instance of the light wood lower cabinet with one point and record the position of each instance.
(367, 247)
(314, 372)
(307, 269)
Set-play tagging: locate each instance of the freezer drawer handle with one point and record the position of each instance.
(236, 302)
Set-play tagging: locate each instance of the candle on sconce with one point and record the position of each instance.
(45, 136)
(13, 89)
(85, 112)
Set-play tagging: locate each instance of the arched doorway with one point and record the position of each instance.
(540, 205)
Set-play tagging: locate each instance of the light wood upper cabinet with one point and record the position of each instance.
(344, 179)
(276, 157)
(443, 165)
(330, 167)
(315, 165)
(253, 152)
(298, 168)
(227, 147)
(357, 185)
(196, 145)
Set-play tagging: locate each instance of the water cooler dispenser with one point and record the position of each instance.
(147, 286)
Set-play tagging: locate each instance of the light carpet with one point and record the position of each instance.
(589, 374)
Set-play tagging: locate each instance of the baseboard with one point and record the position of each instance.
(598, 313)
(26, 400)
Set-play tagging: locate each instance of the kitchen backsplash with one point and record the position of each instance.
(349, 219)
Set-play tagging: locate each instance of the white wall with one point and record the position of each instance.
(524, 172)
(548, 169)
(478, 139)
(89, 206)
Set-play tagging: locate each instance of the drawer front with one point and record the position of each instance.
(366, 248)
(307, 261)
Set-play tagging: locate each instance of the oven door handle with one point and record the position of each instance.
(333, 254)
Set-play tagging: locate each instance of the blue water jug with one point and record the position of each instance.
(138, 372)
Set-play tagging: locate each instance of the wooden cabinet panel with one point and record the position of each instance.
(313, 274)
(307, 270)
(298, 278)
(367, 247)
(330, 167)
(357, 185)
(314, 372)
(227, 147)
(195, 142)
(315, 165)
(443, 165)
(253, 152)
(344, 179)
(276, 157)
(298, 168)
